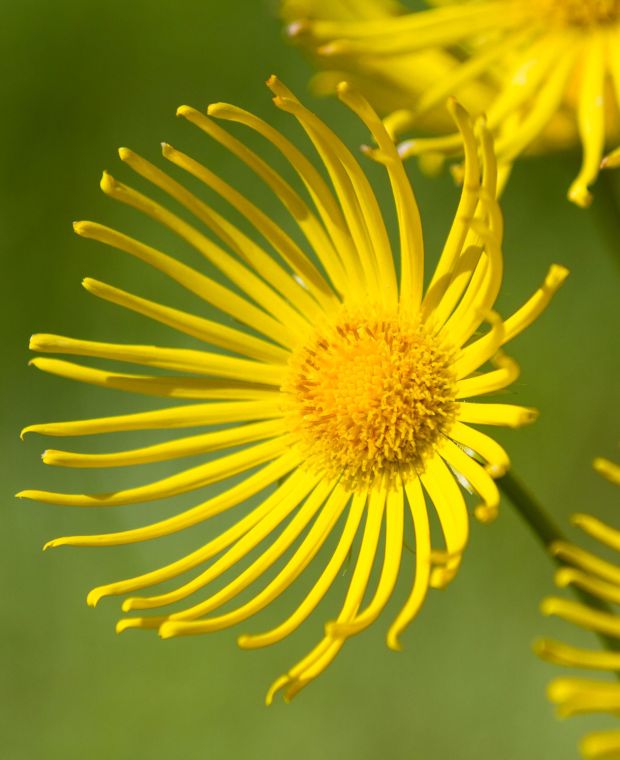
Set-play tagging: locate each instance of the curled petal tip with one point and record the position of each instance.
(563, 577)
(547, 606)
(496, 470)
(184, 110)
(539, 647)
(274, 688)
(80, 228)
(167, 630)
(485, 513)
(393, 642)
(557, 274)
(580, 195)
(125, 154)
(343, 87)
(108, 184)
(94, 597)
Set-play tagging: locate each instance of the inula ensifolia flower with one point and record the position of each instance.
(340, 394)
(546, 72)
(600, 579)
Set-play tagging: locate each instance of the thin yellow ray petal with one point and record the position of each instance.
(394, 526)
(543, 103)
(189, 415)
(534, 306)
(281, 242)
(198, 327)
(579, 614)
(591, 118)
(481, 350)
(448, 501)
(489, 382)
(574, 696)
(304, 487)
(178, 359)
(322, 655)
(419, 515)
(356, 197)
(567, 656)
(597, 529)
(481, 291)
(302, 214)
(442, 298)
(601, 745)
(566, 576)
(321, 586)
(321, 194)
(192, 280)
(527, 73)
(314, 540)
(426, 30)
(383, 24)
(229, 498)
(497, 461)
(408, 215)
(296, 483)
(181, 447)
(182, 482)
(240, 275)
(476, 476)
(587, 561)
(607, 469)
(150, 385)
(465, 211)
(506, 415)
(260, 261)
(478, 62)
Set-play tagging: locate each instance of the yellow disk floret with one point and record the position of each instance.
(370, 397)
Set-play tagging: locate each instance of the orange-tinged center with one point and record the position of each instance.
(369, 398)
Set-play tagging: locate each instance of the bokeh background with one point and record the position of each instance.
(80, 79)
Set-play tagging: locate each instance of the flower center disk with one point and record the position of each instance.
(579, 12)
(369, 398)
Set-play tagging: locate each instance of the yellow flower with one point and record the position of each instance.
(601, 580)
(344, 389)
(547, 72)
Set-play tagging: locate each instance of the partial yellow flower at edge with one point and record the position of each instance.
(600, 579)
(345, 389)
(546, 72)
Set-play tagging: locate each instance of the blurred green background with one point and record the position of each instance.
(80, 79)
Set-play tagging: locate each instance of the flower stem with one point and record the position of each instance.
(547, 532)
(606, 207)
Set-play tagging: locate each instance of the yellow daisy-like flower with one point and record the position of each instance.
(547, 72)
(601, 580)
(342, 388)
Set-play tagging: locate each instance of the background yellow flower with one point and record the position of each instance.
(599, 577)
(546, 72)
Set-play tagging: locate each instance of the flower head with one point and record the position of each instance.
(342, 390)
(596, 579)
(546, 72)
